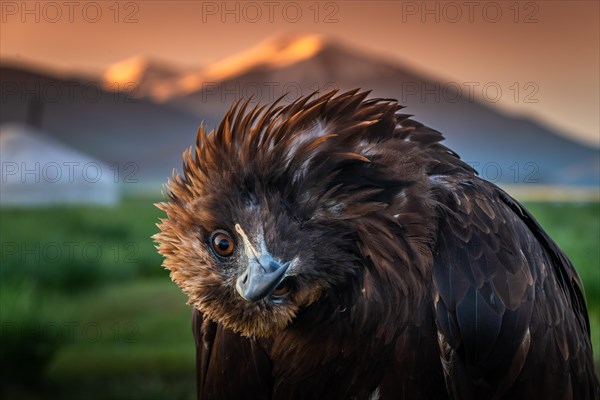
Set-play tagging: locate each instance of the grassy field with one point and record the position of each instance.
(87, 311)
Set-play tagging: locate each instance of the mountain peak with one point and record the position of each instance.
(144, 72)
(277, 51)
(128, 70)
(290, 48)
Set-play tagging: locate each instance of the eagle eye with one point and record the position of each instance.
(222, 244)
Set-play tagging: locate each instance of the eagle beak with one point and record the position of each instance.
(261, 278)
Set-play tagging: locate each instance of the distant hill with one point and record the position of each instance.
(111, 126)
(503, 148)
(153, 124)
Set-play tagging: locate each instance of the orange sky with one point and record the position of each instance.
(552, 44)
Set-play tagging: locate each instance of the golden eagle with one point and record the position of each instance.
(333, 248)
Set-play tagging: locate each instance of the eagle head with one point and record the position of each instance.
(261, 223)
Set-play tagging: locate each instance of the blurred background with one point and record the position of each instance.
(99, 99)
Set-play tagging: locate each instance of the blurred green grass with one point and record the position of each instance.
(114, 326)
(145, 337)
(72, 248)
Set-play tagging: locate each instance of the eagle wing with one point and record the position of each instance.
(509, 306)
(229, 366)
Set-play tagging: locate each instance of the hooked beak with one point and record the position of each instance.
(261, 278)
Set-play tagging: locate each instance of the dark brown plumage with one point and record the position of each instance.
(332, 248)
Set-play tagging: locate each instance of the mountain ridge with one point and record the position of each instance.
(154, 131)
